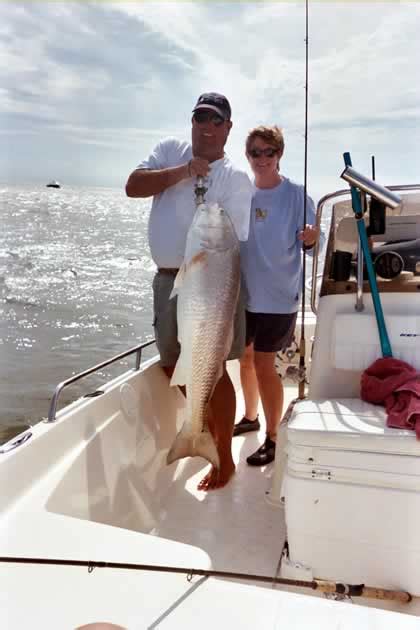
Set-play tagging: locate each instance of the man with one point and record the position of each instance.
(169, 175)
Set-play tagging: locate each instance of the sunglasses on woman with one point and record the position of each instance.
(202, 117)
(269, 152)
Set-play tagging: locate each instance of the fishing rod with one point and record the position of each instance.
(324, 586)
(302, 348)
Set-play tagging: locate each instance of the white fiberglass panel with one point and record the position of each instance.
(355, 343)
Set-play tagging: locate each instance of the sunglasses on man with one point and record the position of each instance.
(202, 117)
(268, 152)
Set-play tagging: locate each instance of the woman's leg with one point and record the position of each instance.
(249, 383)
(271, 390)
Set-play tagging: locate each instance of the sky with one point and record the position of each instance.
(88, 88)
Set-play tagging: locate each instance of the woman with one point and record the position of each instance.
(271, 262)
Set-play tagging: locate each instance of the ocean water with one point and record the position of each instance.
(75, 290)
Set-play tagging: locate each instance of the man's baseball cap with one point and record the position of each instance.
(217, 102)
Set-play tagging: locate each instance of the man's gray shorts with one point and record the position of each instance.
(165, 323)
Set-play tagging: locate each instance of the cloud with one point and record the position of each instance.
(98, 80)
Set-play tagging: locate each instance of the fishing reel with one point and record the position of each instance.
(286, 362)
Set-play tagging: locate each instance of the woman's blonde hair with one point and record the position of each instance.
(271, 135)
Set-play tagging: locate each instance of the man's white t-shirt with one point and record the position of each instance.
(173, 209)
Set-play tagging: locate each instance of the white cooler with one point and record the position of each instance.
(352, 495)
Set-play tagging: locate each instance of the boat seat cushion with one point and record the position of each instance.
(348, 424)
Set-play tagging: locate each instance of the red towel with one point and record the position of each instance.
(396, 385)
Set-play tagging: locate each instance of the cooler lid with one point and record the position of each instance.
(348, 424)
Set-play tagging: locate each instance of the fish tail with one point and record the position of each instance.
(187, 445)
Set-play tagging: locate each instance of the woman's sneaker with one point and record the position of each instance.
(245, 425)
(264, 455)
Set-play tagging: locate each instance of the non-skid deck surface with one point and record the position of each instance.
(235, 525)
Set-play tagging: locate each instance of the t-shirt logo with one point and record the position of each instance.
(260, 214)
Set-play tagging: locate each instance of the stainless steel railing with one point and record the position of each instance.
(77, 377)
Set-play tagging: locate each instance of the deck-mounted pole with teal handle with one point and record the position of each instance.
(357, 209)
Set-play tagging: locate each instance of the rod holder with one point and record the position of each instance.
(369, 186)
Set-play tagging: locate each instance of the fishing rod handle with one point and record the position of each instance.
(360, 590)
(382, 593)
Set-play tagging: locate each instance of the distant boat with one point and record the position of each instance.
(54, 184)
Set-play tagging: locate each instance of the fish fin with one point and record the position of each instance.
(229, 342)
(179, 376)
(179, 278)
(219, 374)
(201, 445)
(178, 282)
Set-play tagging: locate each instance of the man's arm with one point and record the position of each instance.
(148, 182)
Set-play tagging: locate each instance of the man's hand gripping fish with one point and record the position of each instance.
(207, 286)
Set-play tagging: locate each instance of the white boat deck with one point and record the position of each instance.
(253, 531)
(79, 509)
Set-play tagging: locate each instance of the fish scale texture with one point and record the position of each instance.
(206, 308)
